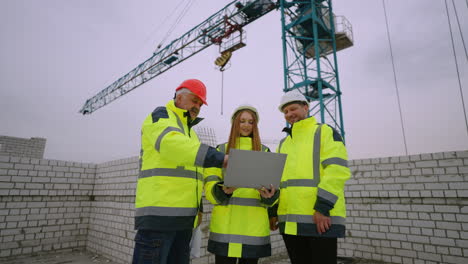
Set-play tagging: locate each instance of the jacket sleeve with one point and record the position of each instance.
(213, 189)
(335, 171)
(174, 145)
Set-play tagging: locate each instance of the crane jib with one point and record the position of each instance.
(213, 30)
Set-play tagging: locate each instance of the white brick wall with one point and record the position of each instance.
(44, 204)
(414, 211)
(22, 147)
(410, 209)
(112, 214)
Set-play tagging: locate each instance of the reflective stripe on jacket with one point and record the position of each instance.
(313, 179)
(170, 181)
(239, 224)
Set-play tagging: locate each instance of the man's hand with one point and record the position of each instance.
(229, 190)
(225, 161)
(200, 217)
(267, 193)
(323, 222)
(273, 223)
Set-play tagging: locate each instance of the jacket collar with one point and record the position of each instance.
(183, 114)
(299, 125)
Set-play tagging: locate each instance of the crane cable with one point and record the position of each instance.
(222, 90)
(456, 65)
(153, 32)
(395, 78)
(459, 29)
(166, 19)
(177, 21)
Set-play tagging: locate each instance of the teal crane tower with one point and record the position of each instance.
(311, 36)
(309, 39)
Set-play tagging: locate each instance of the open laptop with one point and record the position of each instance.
(254, 169)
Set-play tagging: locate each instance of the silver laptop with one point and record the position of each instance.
(254, 169)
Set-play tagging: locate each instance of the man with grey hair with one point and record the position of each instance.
(168, 195)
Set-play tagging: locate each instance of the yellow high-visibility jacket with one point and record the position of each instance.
(313, 179)
(239, 224)
(170, 182)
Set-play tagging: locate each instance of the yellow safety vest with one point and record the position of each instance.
(170, 181)
(313, 179)
(239, 226)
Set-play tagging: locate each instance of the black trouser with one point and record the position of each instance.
(311, 250)
(228, 260)
(170, 247)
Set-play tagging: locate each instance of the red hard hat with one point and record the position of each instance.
(196, 87)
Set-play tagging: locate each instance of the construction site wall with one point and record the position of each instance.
(44, 205)
(22, 147)
(408, 209)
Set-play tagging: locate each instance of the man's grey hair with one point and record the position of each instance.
(183, 91)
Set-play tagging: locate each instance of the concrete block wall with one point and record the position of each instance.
(44, 205)
(112, 214)
(409, 209)
(22, 147)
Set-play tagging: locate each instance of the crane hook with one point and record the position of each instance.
(223, 59)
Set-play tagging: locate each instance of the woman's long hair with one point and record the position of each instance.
(235, 132)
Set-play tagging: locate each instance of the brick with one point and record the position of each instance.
(453, 234)
(458, 185)
(427, 171)
(450, 163)
(405, 180)
(384, 167)
(24, 166)
(424, 224)
(61, 168)
(34, 186)
(398, 237)
(62, 186)
(451, 178)
(406, 253)
(6, 165)
(422, 208)
(405, 166)
(446, 209)
(418, 239)
(40, 179)
(451, 170)
(429, 256)
(442, 241)
(42, 167)
(426, 164)
(454, 259)
(449, 225)
(376, 235)
(435, 186)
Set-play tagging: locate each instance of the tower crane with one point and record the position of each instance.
(311, 36)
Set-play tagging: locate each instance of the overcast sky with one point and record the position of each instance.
(56, 54)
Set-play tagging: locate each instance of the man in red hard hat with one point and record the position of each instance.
(168, 194)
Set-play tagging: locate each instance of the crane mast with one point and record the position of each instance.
(312, 35)
(233, 17)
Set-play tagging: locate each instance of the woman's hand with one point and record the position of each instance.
(229, 190)
(267, 193)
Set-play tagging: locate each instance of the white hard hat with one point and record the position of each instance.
(292, 96)
(245, 107)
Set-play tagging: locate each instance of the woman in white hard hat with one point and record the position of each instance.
(232, 236)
